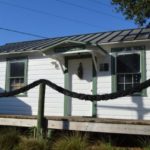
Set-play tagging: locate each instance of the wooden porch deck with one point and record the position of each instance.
(120, 126)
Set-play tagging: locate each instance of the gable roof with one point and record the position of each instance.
(99, 38)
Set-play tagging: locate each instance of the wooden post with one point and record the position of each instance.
(40, 117)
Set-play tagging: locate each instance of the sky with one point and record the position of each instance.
(56, 18)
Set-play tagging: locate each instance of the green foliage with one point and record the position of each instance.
(32, 144)
(30, 132)
(9, 139)
(147, 148)
(144, 141)
(99, 145)
(71, 142)
(12, 139)
(137, 10)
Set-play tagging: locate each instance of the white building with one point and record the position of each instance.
(94, 63)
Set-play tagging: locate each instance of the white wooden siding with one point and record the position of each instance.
(135, 107)
(38, 68)
(46, 68)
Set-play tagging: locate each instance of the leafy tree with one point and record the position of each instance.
(137, 10)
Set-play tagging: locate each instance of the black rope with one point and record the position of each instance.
(81, 96)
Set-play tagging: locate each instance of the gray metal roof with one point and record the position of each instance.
(93, 38)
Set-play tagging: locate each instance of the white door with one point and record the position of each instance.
(84, 85)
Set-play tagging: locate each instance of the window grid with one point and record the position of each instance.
(16, 82)
(141, 50)
(133, 80)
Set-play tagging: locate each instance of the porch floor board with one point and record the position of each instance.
(89, 124)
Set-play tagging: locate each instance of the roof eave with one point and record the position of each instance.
(12, 53)
(67, 41)
(124, 42)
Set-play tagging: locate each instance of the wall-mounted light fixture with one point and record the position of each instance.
(80, 71)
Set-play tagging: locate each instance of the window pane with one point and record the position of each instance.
(128, 86)
(16, 83)
(17, 69)
(128, 78)
(128, 63)
(136, 78)
(120, 87)
(120, 78)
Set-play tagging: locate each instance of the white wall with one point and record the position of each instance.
(134, 107)
(38, 68)
(43, 67)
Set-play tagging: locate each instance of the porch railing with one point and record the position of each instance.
(42, 89)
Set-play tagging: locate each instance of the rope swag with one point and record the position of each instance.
(81, 96)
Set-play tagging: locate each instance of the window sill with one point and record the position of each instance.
(138, 94)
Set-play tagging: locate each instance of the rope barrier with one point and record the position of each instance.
(81, 96)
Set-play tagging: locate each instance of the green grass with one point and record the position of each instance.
(99, 145)
(32, 144)
(9, 139)
(75, 141)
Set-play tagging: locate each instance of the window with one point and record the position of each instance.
(128, 71)
(104, 67)
(128, 68)
(16, 74)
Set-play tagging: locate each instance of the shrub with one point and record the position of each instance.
(144, 142)
(71, 142)
(32, 144)
(9, 139)
(100, 145)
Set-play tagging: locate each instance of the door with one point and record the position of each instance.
(80, 85)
